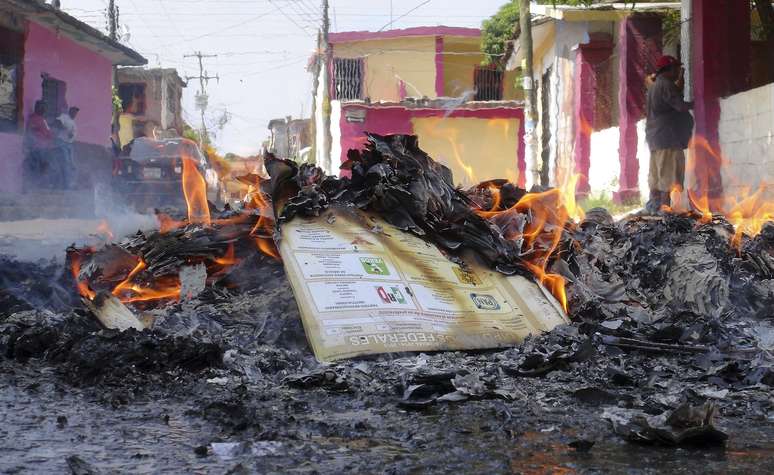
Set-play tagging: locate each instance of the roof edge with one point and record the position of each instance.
(350, 36)
(38, 11)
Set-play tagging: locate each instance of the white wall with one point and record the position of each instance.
(747, 140)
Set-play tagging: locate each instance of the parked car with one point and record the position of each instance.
(148, 173)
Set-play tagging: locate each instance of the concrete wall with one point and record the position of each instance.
(390, 61)
(475, 144)
(475, 149)
(747, 141)
(88, 78)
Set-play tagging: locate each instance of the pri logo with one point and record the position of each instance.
(374, 265)
(485, 302)
(391, 295)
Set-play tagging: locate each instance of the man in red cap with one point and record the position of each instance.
(668, 129)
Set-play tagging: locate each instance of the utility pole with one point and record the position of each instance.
(112, 17)
(112, 14)
(530, 110)
(201, 95)
(326, 100)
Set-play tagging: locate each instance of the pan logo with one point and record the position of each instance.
(485, 302)
(391, 295)
(374, 265)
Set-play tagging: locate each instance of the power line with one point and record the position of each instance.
(290, 18)
(302, 13)
(405, 14)
(215, 32)
(166, 13)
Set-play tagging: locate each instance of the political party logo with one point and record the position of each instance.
(466, 276)
(374, 265)
(485, 302)
(391, 295)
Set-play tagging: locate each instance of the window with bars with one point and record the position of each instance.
(348, 78)
(11, 53)
(54, 96)
(489, 84)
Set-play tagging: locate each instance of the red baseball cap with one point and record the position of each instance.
(666, 61)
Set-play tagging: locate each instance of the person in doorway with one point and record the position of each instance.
(38, 144)
(668, 129)
(66, 133)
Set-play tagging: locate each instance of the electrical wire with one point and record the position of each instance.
(279, 8)
(391, 22)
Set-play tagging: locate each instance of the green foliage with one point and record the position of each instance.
(603, 200)
(498, 30)
(193, 134)
(118, 106)
(670, 26)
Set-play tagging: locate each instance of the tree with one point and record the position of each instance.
(497, 31)
(503, 27)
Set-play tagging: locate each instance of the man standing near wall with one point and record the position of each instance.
(668, 129)
(66, 137)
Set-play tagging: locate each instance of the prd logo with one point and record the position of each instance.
(374, 265)
(485, 302)
(391, 295)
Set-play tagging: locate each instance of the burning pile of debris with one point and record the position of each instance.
(668, 311)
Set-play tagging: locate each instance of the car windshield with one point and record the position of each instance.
(144, 149)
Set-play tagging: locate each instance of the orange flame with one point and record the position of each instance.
(195, 192)
(267, 246)
(264, 228)
(749, 214)
(82, 285)
(127, 291)
(747, 211)
(701, 204)
(228, 259)
(549, 211)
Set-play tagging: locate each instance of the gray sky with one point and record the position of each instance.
(262, 48)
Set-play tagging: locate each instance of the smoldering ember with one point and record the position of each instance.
(534, 247)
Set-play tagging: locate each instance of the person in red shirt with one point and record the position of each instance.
(38, 145)
(39, 135)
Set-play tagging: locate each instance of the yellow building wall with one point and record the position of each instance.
(389, 61)
(460, 59)
(474, 149)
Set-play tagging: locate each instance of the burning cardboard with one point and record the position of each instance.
(364, 286)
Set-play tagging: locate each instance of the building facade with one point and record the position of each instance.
(151, 101)
(290, 138)
(48, 55)
(590, 69)
(426, 81)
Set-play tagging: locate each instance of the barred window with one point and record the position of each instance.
(348, 78)
(54, 96)
(488, 84)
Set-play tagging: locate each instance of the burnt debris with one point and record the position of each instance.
(671, 323)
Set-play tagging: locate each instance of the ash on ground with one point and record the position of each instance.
(667, 367)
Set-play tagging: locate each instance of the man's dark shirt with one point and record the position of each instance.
(669, 124)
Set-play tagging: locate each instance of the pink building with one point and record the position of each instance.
(46, 54)
(424, 81)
